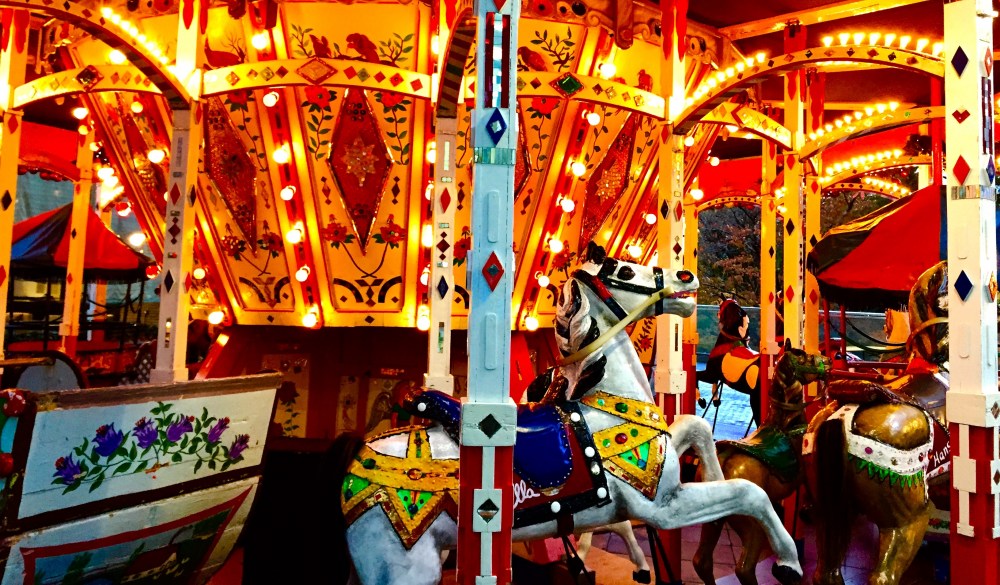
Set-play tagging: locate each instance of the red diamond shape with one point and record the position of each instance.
(814, 186)
(416, 84)
(187, 281)
(813, 296)
(770, 297)
(961, 170)
(789, 293)
(677, 249)
(350, 73)
(443, 245)
(445, 200)
(12, 123)
(69, 278)
(790, 161)
(175, 194)
(678, 211)
(500, 4)
(872, 53)
(493, 271)
(379, 77)
(281, 71)
(396, 79)
(960, 116)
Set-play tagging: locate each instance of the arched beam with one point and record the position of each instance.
(459, 47)
(315, 71)
(84, 80)
(106, 25)
(877, 122)
(750, 120)
(729, 201)
(723, 86)
(568, 85)
(860, 186)
(877, 165)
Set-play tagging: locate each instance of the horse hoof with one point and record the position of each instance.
(642, 576)
(702, 403)
(786, 575)
(717, 402)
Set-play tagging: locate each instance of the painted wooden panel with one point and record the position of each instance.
(178, 540)
(293, 394)
(87, 446)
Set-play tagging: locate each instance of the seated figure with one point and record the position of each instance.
(731, 361)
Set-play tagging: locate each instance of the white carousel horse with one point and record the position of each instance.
(398, 491)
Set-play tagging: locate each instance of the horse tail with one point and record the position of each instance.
(330, 517)
(834, 506)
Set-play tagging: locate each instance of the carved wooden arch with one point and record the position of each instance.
(125, 77)
(877, 122)
(463, 36)
(92, 21)
(822, 58)
(877, 165)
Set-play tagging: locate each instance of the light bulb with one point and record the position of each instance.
(216, 317)
(608, 70)
(543, 281)
(111, 182)
(310, 319)
(281, 155)
(136, 106)
(260, 41)
(425, 275)
(156, 156)
(431, 153)
(593, 118)
(116, 57)
(270, 99)
(80, 112)
(531, 323)
(136, 239)
(95, 146)
(635, 250)
(199, 273)
(426, 236)
(83, 129)
(567, 204)
(555, 245)
(650, 218)
(423, 318)
(697, 194)
(302, 274)
(689, 140)
(287, 192)
(104, 172)
(578, 168)
(714, 161)
(294, 235)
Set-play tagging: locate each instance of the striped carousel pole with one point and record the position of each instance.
(69, 328)
(489, 416)
(973, 400)
(768, 269)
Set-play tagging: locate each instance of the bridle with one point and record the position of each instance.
(799, 369)
(601, 284)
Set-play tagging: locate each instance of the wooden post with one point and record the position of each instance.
(973, 400)
(792, 271)
(768, 268)
(689, 347)
(13, 61)
(489, 416)
(178, 239)
(441, 281)
(815, 94)
(69, 328)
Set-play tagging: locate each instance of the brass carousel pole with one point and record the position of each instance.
(69, 328)
(178, 240)
(815, 103)
(13, 61)
(792, 271)
(768, 269)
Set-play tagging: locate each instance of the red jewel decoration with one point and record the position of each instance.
(14, 404)
(6, 464)
(620, 438)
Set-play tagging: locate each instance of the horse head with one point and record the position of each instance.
(794, 368)
(928, 309)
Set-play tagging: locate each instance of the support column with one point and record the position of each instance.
(768, 269)
(178, 240)
(13, 61)
(441, 285)
(69, 328)
(815, 98)
(793, 283)
(689, 347)
(973, 400)
(489, 415)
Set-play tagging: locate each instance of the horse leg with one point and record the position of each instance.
(583, 544)
(692, 432)
(381, 559)
(702, 560)
(623, 529)
(897, 547)
(698, 503)
(754, 543)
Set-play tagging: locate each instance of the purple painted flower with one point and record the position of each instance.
(215, 433)
(144, 432)
(67, 470)
(177, 430)
(108, 439)
(240, 443)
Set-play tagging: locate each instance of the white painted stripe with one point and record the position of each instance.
(486, 538)
(963, 510)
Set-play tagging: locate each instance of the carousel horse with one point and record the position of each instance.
(770, 458)
(731, 361)
(603, 455)
(875, 450)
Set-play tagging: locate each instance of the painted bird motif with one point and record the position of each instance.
(321, 47)
(645, 80)
(216, 59)
(532, 60)
(364, 46)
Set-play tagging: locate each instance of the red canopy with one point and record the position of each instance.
(41, 244)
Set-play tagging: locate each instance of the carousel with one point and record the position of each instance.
(412, 296)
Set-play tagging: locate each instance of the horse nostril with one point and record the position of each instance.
(685, 276)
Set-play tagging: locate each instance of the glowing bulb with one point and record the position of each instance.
(287, 192)
(937, 48)
(827, 41)
(555, 246)
(531, 323)
(843, 38)
(732, 127)
(921, 43)
(270, 99)
(281, 155)
(889, 38)
(260, 41)
(650, 218)
(136, 106)
(567, 204)
(426, 236)
(199, 273)
(124, 210)
(302, 274)
(858, 38)
(111, 182)
(216, 317)
(294, 235)
(435, 45)
(95, 146)
(104, 172)
(608, 70)
(635, 250)
(593, 118)
(761, 57)
(714, 161)
(697, 194)
(873, 38)
(80, 112)
(903, 41)
(578, 168)
(423, 318)
(136, 239)
(543, 281)
(83, 129)
(431, 153)
(156, 156)
(689, 141)
(425, 275)
(310, 319)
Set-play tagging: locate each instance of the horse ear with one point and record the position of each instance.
(788, 344)
(595, 253)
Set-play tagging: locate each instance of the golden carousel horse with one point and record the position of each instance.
(770, 458)
(874, 448)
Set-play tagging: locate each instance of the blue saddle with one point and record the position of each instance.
(543, 456)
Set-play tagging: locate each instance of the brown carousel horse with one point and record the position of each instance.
(873, 449)
(770, 458)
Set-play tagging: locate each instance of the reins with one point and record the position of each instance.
(928, 323)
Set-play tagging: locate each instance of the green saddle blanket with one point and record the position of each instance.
(771, 447)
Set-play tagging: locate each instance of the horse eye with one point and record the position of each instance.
(685, 275)
(626, 273)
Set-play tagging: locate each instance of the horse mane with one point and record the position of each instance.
(574, 329)
(784, 380)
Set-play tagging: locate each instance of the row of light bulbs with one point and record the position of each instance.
(887, 186)
(857, 116)
(722, 75)
(863, 160)
(138, 38)
(887, 40)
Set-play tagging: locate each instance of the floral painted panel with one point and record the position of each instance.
(293, 394)
(84, 455)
